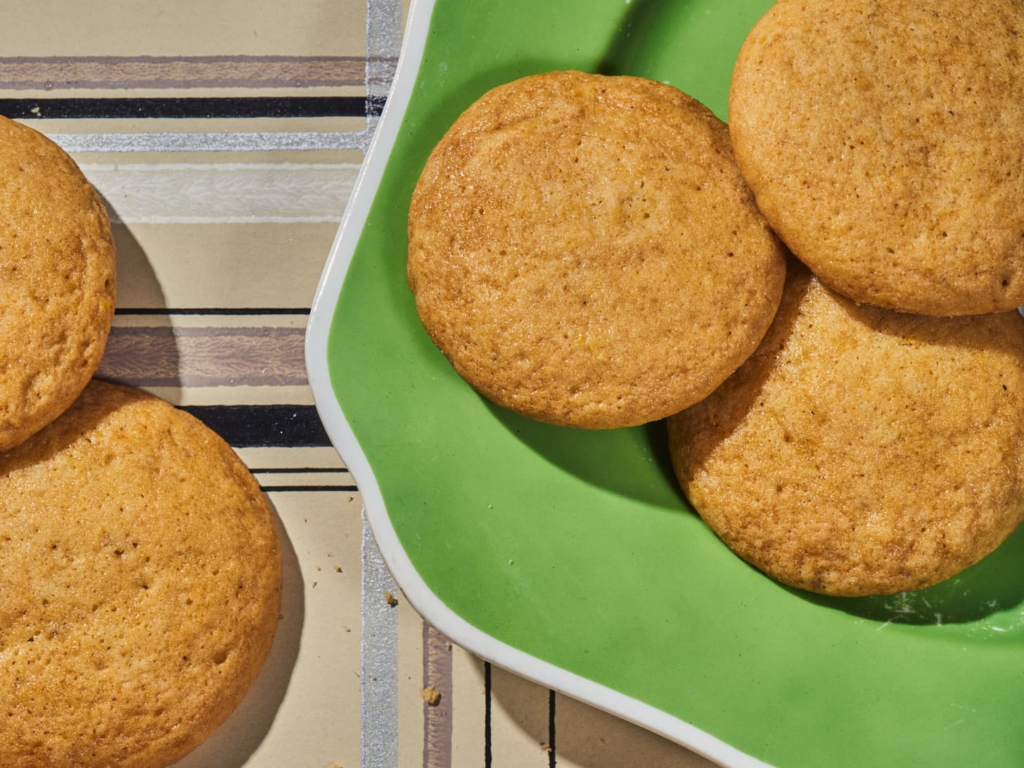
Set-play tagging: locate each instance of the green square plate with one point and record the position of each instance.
(570, 557)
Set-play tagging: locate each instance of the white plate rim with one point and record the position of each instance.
(420, 596)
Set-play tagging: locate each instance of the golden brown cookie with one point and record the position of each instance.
(142, 583)
(585, 252)
(861, 451)
(885, 143)
(57, 281)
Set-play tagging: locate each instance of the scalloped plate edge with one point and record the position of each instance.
(426, 603)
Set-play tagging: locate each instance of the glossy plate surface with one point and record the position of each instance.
(570, 557)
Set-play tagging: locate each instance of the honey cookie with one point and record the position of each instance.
(142, 580)
(57, 282)
(584, 251)
(884, 141)
(861, 451)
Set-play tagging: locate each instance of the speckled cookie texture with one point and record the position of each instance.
(584, 250)
(57, 282)
(862, 451)
(142, 579)
(885, 143)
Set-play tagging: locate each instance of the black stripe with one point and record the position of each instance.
(289, 488)
(375, 106)
(203, 107)
(552, 761)
(487, 714)
(212, 311)
(290, 470)
(288, 426)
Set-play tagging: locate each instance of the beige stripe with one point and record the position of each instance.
(47, 73)
(589, 738)
(271, 480)
(185, 28)
(255, 320)
(519, 721)
(257, 458)
(201, 193)
(410, 685)
(437, 718)
(172, 265)
(470, 703)
(249, 395)
(205, 357)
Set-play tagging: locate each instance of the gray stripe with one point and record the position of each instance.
(437, 719)
(379, 660)
(80, 72)
(269, 141)
(224, 192)
(204, 357)
(383, 44)
(380, 651)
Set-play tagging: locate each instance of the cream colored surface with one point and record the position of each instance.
(519, 722)
(410, 684)
(297, 395)
(214, 265)
(309, 688)
(189, 27)
(590, 738)
(470, 707)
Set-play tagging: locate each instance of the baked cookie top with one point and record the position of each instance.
(57, 281)
(884, 141)
(584, 250)
(141, 590)
(861, 451)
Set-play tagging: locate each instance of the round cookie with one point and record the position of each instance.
(884, 141)
(57, 282)
(142, 580)
(584, 250)
(861, 451)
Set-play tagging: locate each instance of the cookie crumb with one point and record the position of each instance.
(431, 696)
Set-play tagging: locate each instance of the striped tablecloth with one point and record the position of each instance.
(225, 138)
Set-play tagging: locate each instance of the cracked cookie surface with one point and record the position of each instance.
(57, 281)
(142, 579)
(885, 143)
(584, 251)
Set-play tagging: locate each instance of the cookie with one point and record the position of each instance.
(142, 580)
(57, 282)
(862, 451)
(884, 141)
(584, 251)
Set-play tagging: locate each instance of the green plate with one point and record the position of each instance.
(570, 557)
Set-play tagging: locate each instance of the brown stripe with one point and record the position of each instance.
(47, 73)
(204, 357)
(437, 718)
